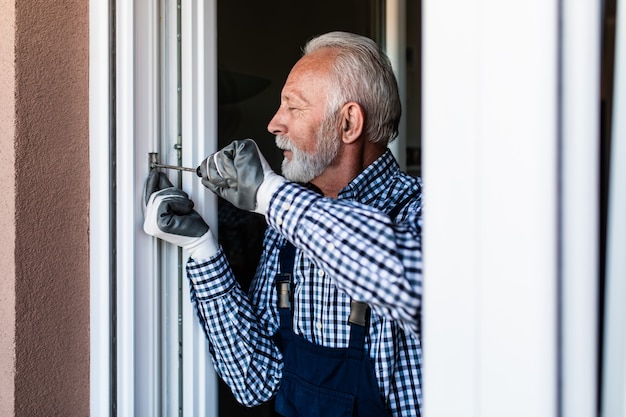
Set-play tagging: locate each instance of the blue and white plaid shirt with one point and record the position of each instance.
(346, 247)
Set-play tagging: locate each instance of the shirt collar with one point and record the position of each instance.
(372, 180)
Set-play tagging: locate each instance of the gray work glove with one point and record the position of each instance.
(240, 174)
(169, 215)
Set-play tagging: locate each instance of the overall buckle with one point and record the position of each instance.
(359, 313)
(283, 289)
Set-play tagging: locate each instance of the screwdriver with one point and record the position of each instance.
(157, 165)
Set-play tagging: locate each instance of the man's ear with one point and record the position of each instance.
(351, 122)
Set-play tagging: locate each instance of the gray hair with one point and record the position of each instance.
(362, 73)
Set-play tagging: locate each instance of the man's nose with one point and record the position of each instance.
(276, 126)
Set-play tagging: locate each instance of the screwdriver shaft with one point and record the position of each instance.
(155, 165)
(196, 170)
(154, 157)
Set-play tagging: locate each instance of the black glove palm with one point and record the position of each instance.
(169, 215)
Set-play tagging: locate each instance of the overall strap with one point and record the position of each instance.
(287, 257)
(359, 311)
(359, 322)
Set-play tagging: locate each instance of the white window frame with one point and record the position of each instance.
(145, 317)
(510, 238)
(199, 63)
(99, 213)
(614, 369)
(579, 233)
(146, 270)
(395, 48)
(493, 294)
(484, 268)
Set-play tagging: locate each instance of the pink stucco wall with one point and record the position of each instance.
(44, 173)
(7, 207)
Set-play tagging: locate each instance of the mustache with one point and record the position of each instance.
(283, 143)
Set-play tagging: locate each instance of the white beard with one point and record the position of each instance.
(304, 167)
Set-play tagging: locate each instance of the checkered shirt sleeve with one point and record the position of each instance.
(242, 351)
(370, 257)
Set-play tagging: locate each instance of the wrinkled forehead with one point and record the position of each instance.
(311, 74)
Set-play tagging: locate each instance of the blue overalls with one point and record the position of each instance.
(319, 381)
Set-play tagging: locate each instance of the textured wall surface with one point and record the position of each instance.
(44, 128)
(7, 207)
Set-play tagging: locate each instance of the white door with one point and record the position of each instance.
(155, 89)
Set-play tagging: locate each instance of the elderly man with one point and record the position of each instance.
(330, 325)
